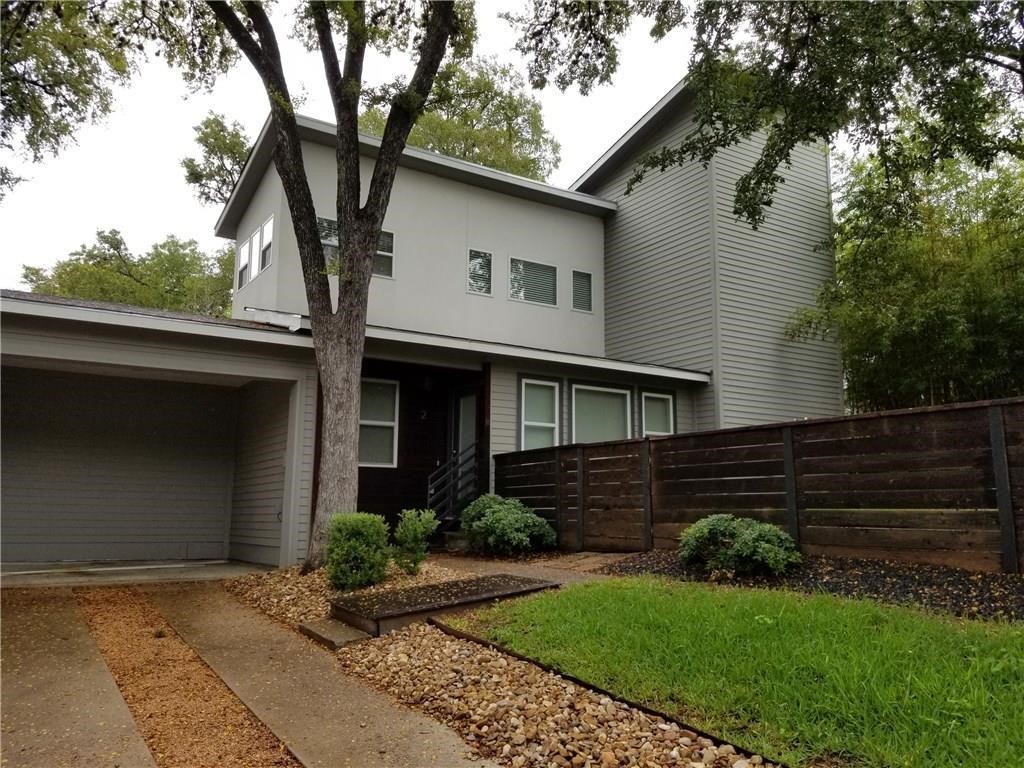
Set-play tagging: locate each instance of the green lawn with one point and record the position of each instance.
(789, 676)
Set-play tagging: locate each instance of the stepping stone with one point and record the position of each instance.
(378, 613)
(331, 633)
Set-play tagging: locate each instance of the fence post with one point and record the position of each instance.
(581, 497)
(789, 467)
(645, 479)
(1004, 501)
(558, 494)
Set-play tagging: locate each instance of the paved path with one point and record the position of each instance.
(324, 716)
(562, 569)
(60, 706)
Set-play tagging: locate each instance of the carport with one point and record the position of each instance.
(131, 434)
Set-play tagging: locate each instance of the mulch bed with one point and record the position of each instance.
(427, 597)
(932, 587)
(187, 715)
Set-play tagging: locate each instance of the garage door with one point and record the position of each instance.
(108, 468)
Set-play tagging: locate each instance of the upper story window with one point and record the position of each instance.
(254, 255)
(533, 281)
(539, 414)
(599, 414)
(479, 272)
(582, 294)
(383, 260)
(657, 414)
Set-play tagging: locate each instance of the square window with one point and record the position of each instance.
(532, 281)
(599, 414)
(657, 414)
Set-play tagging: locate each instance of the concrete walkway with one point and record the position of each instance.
(324, 716)
(59, 704)
(121, 572)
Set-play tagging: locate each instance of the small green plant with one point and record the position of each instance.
(412, 536)
(357, 550)
(495, 525)
(737, 545)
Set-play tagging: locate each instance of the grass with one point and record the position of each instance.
(796, 678)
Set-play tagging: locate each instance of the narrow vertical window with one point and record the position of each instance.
(244, 260)
(539, 410)
(266, 242)
(384, 260)
(582, 298)
(479, 272)
(378, 423)
(657, 414)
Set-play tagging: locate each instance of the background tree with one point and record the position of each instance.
(807, 71)
(480, 111)
(928, 300)
(174, 274)
(59, 63)
(224, 149)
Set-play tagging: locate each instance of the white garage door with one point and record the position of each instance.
(105, 468)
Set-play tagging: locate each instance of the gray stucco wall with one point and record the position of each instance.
(98, 467)
(264, 287)
(435, 222)
(689, 285)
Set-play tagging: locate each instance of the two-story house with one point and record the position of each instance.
(504, 314)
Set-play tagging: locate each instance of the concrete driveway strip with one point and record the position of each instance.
(324, 716)
(60, 706)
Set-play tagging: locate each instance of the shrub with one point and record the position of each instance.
(357, 550)
(738, 545)
(495, 525)
(414, 529)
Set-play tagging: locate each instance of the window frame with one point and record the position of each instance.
(602, 388)
(643, 413)
(573, 307)
(469, 283)
(375, 423)
(244, 269)
(523, 423)
(530, 301)
(267, 248)
(336, 244)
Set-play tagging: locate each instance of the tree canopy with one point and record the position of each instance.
(928, 300)
(481, 111)
(223, 151)
(804, 72)
(173, 274)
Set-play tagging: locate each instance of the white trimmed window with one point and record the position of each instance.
(539, 413)
(244, 262)
(479, 280)
(658, 416)
(383, 260)
(266, 242)
(378, 423)
(533, 281)
(582, 291)
(599, 414)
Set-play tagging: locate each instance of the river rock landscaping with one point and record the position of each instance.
(932, 587)
(521, 715)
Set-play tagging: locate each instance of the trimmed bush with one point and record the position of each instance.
(499, 526)
(737, 545)
(357, 550)
(412, 536)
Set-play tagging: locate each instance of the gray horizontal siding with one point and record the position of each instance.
(764, 276)
(658, 288)
(259, 482)
(104, 468)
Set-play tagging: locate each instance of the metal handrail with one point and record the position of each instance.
(452, 482)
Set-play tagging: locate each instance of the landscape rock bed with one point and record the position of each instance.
(519, 714)
(292, 597)
(933, 587)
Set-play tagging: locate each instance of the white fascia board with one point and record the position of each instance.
(629, 135)
(536, 355)
(153, 323)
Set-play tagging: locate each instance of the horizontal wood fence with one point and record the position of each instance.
(931, 485)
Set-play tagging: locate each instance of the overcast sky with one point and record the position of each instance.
(125, 173)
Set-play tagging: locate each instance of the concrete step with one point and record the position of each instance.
(331, 633)
(456, 541)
